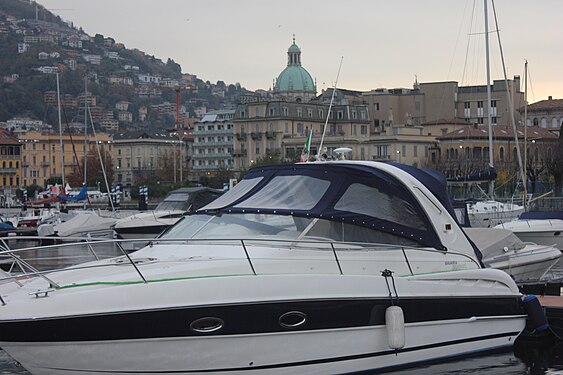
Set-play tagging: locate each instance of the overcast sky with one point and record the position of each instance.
(383, 43)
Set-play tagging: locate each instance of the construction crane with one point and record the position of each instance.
(37, 6)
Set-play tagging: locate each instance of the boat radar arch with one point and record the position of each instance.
(341, 152)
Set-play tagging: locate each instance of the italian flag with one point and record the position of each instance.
(307, 147)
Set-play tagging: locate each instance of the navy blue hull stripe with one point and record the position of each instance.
(250, 318)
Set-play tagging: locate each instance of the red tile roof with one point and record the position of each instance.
(546, 105)
(6, 138)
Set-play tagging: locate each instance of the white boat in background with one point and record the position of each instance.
(544, 228)
(490, 213)
(33, 217)
(324, 267)
(175, 205)
(80, 224)
(502, 249)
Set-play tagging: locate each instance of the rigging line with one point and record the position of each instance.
(444, 93)
(509, 96)
(468, 44)
(74, 151)
(531, 86)
(101, 161)
(329, 109)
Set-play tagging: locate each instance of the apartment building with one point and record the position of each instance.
(213, 140)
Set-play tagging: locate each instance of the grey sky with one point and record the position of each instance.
(384, 43)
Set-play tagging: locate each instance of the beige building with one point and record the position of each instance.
(10, 161)
(41, 154)
(143, 156)
(547, 114)
(436, 101)
(466, 150)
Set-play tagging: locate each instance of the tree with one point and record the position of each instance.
(99, 39)
(555, 165)
(216, 180)
(94, 173)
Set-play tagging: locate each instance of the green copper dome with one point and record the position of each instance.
(294, 79)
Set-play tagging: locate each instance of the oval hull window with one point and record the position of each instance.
(293, 319)
(207, 325)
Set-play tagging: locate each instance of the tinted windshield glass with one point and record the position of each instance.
(288, 192)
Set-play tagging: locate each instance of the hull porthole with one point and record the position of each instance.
(207, 325)
(292, 319)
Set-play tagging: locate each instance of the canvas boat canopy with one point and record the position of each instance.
(357, 195)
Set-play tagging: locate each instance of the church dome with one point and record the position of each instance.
(294, 80)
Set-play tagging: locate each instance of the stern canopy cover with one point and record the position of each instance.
(349, 193)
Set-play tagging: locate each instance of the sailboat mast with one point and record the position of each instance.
(489, 117)
(525, 174)
(320, 150)
(61, 134)
(85, 125)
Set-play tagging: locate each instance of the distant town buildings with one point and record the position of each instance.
(433, 124)
(147, 156)
(547, 114)
(10, 161)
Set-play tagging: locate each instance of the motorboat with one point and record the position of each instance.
(175, 205)
(489, 213)
(524, 261)
(310, 268)
(80, 224)
(33, 217)
(544, 228)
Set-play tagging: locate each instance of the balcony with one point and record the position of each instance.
(256, 135)
(45, 164)
(381, 157)
(212, 155)
(241, 136)
(213, 143)
(271, 135)
(239, 153)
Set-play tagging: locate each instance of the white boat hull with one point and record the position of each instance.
(527, 266)
(329, 351)
(488, 214)
(543, 231)
(136, 328)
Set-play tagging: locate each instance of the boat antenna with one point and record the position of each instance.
(60, 133)
(525, 175)
(329, 109)
(85, 126)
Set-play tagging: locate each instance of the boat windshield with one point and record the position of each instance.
(177, 201)
(277, 227)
